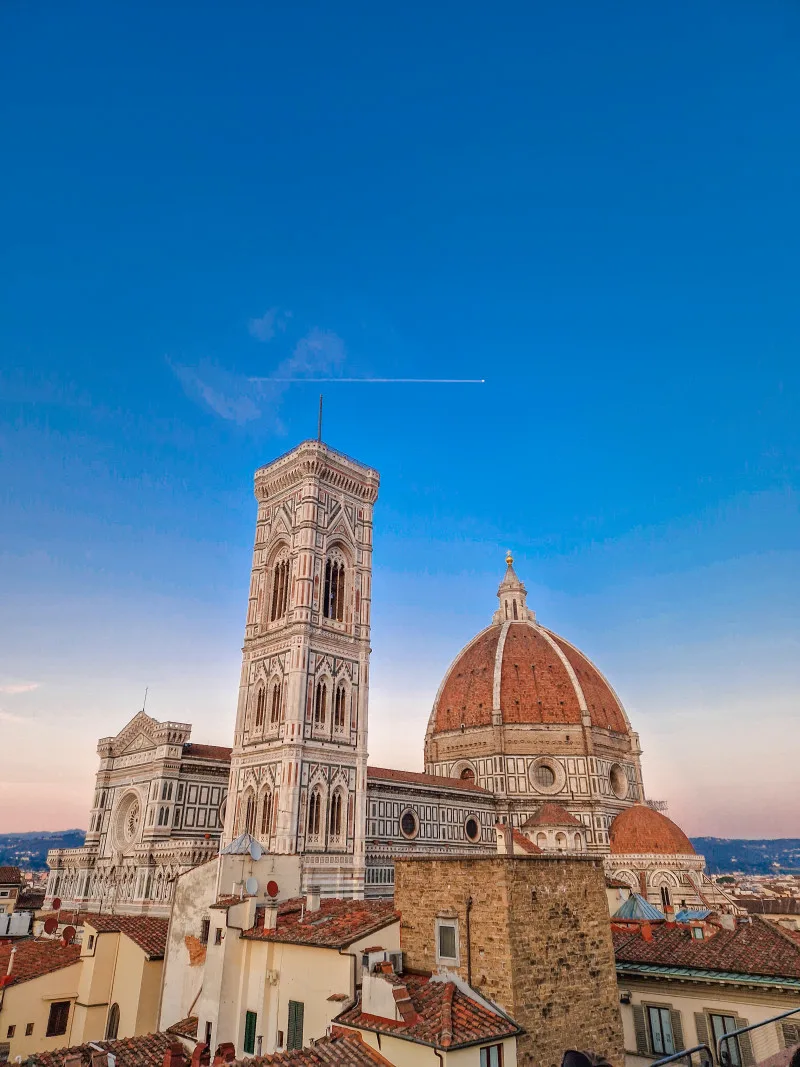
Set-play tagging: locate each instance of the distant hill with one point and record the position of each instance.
(724, 854)
(29, 850)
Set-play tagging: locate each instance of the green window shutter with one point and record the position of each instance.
(250, 1019)
(640, 1029)
(677, 1030)
(294, 1035)
(745, 1045)
(701, 1024)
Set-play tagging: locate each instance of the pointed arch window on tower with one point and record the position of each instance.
(275, 708)
(314, 815)
(266, 815)
(333, 598)
(339, 706)
(335, 818)
(261, 700)
(250, 814)
(280, 589)
(320, 704)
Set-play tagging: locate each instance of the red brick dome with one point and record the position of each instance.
(639, 830)
(529, 675)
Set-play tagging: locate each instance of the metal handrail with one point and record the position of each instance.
(727, 1061)
(705, 1061)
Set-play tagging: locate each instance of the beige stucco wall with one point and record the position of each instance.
(754, 1005)
(410, 1054)
(29, 1002)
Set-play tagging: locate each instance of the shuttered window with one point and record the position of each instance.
(658, 1029)
(250, 1019)
(58, 1018)
(294, 1035)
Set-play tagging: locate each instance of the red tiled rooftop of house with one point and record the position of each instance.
(387, 774)
(344, 1048)
(147, 931)
(335, 924)
(10, 876)
(522, 841)
(440, 1014)
(184, 1027)
(147, 1050)
(35, 957)
(218, 752)
(755, 947)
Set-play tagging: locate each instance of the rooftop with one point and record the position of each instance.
(386, 774)
(146, 931)
(10, 876)
(443, 1015)
(335, 924)
(147, 1050)
(342, 1049)
(752, 948)
(216, 752)
(33, 958)
(550, 814)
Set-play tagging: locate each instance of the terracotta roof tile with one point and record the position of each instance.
(216, 752)
(146, 931)
(550, 814)
(184, 1027)
(342, 1049)
(33, 958)
(30, 899)
(147, 1050)
(414, 778)
(639, 830)
(444, 1016)
(523, 842)
(755, 947)
(10, 876)
(336, 924)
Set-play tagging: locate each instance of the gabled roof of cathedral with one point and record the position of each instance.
(551, 814)
(387, 774)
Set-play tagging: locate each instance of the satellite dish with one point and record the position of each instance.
(251, 886)
(272, 889)
(68, 935)
(256, 851)
(56, 903)
(50, 924)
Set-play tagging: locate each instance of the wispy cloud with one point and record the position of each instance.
(21, 687)
(6, 716)
(240, 399)
(265, 327)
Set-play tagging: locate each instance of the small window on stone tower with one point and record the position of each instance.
(261, 700)
(275, 709)
(333, 596)
(320, 704)
(339, 707)
(280, 590)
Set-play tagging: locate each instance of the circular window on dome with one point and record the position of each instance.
(546, 775)
(618, 781)
(472, 828)
(409, 824)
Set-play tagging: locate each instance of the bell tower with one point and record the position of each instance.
(299, 764)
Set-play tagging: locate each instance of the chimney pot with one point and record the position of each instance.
(312, 898)
(270, 916)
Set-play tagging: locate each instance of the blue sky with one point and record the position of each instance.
(593, 207)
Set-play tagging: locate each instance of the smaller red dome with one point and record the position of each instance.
(639, 830)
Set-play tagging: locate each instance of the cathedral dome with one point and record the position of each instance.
(516, 671)
(639, 830)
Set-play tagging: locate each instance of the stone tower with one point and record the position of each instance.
(299, 763)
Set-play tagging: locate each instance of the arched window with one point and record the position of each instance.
(333, 598)
(578, 843)
(514, 608)
(275, 708)
(561, 840)
(467, 775)
(280, 590)
(261, 701)
(335, 817)
(112, 1023)
(314, 812)
(339, 703)
(266, 815)
(250, 814)
(541, 840)
(320, 704)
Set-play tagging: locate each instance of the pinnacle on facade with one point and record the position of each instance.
(512, 595)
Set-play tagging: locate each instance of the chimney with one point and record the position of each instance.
(99, 1059)
(226, 1053)
(174, 1056)
(727, 921)
(73, 1060)
(669, 915)
(647, 931)
(312, 898)
(201, 1057)
(270, 915)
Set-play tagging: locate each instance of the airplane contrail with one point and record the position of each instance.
(410, 381)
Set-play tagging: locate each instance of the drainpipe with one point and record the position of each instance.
(469, 944)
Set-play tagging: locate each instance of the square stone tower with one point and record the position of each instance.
(299, 763)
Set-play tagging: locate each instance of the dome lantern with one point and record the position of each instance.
(512, 595)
